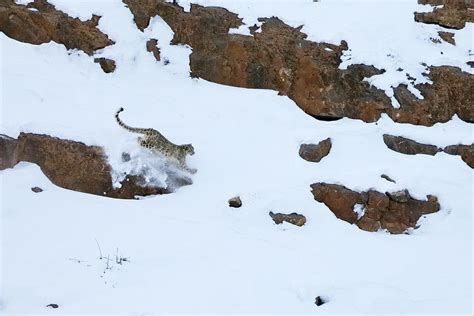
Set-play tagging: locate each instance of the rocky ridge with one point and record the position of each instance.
(279, 57)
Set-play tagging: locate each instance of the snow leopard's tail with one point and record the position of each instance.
(129, 128)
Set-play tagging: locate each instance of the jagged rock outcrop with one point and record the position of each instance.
(280, 58)
(40, 22)
(410, 147)
(453, 14)
(452, 92)
(315, 152)
(293, 218)
(107, 65)
(73, 165)
(152, 47)
(396, 212)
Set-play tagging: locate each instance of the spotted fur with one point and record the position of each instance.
(155, 141)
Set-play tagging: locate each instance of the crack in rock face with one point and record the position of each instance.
(396, 212)
(76, 166)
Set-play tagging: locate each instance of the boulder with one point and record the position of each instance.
(315, 152)
(235, 202)
(394, 211)
(409, 147)
(152, 47)
(107, 65)
(447, 37)
(36, 189)
(293, 218)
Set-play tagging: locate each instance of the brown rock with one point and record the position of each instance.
(409, 147)
(465, 151)
(152, 47)
(8, 152)
(235, 202)
(315, 152)
(452, 92)
(396, 212)
(293, 218)
(49, 24)
(453, 13)
(76, 166)
(279, 57)
(378, 200)
(471, 63)
(368, 224)
(339, 199)
(107, 65)
(447, 37)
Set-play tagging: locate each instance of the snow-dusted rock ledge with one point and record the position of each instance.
(75, 166)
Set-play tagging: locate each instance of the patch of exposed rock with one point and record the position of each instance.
(37, 189)
(152, 47)
(280, 58)
(73, 165)
(40, 22)
(293, 218)
(447, 37)
(465, 151)
(315, 152)
(396, 212)
(410, 147)
(452, 92)
(452, 14)
(107, 65)
(235, 202)
(8, 152)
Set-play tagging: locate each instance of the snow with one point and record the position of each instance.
(190, 252)
(359, 209)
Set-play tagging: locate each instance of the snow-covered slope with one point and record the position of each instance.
(188, 251)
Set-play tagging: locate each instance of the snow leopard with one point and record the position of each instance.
(156, 142)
